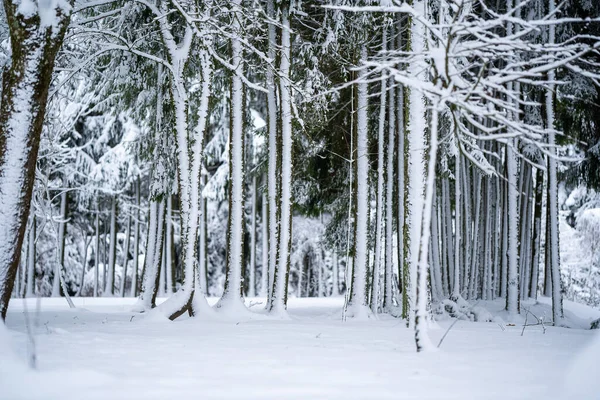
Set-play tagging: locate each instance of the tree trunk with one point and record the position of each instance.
(22, 108)
(252, 272)
(31, 258)
(379, 218)
(109, 288)
(232, 291)
(265, 249)
(389, 199)
(97, 256)
(537, 228)
(136, 241)
(62, 230)
(278, 301)
(357, 301)
(125, 256)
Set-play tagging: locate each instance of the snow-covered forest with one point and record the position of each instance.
(291, 199)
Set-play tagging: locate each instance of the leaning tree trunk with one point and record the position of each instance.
(153, 257)
(22, 108)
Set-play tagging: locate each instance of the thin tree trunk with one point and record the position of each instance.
(126, 256)
(62, 229)
(537, 228)
(97, 258)
(264, 291)
(389, 200)
(202, 256)
(252, 272)
(136, 241)
(31, 258)
(109, 288)
(170, 270)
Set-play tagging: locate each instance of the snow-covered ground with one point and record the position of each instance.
(102, 351)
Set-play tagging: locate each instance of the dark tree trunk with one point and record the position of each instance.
(24, 96)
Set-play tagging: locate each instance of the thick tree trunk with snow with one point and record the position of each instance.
(357, 301)
(553, 245)
(24, 96)
(380, 188)
(274, 153)
(232, 291)
(278, 301)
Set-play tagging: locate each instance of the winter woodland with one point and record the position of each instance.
(325, 183)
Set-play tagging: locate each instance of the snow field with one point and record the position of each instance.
(102, 351)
